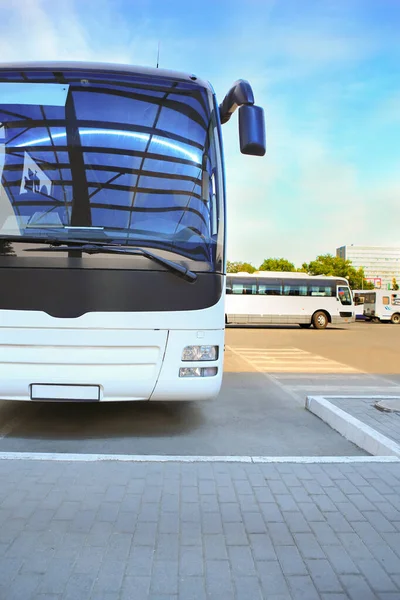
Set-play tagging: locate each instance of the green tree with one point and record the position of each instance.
(358, 281)
(239, 267)
(395, 285)
(277, 264)
(326, 264)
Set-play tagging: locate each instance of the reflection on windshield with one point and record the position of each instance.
(6, 248)
(105, 156)
(143, 137)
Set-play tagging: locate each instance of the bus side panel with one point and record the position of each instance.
(379, 304)
(257, 309)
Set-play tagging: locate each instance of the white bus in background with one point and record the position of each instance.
(112, 231)
(267, 297)
(382, 306)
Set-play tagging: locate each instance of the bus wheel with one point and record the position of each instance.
(320, 320)
(305, 325)
(395, 318)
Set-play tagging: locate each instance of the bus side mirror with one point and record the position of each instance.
(252, 130)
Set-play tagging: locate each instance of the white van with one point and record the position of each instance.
(382, 305)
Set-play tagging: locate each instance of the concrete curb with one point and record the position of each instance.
(352, 429)
(132, 458)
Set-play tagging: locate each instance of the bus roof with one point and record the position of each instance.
(107, 67)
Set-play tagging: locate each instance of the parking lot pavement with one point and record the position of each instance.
(365, 347)
(260, 411)
(219, 531)
(252, 416)
(359, 359)
(96, 529)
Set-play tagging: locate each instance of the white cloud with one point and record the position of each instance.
(72, 31)
(40, 34)
(302, 200)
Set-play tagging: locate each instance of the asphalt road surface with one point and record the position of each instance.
(260, 411)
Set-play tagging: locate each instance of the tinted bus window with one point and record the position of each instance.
(244, 286)
(294, 289)
(228, 285)
(271, 287)
(321, 290)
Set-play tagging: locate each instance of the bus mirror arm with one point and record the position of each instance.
(239, 95)
(251, 117)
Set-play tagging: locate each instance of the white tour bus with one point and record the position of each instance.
(112, 239)
(382, 305)
(267, 297)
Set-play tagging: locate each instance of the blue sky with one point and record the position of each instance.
(325, 71)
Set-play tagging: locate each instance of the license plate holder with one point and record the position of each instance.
(64, 392)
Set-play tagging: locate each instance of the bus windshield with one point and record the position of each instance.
(344, 295)
(124, 159)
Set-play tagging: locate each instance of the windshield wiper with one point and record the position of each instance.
(99, 247)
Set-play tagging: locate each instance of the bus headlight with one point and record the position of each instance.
(198, 371)
(200, 353)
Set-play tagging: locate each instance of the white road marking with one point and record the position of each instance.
(271, 378)
(346, 391)
(372, 396)
(291, 360)
(325, 459)
(274, 351)
(64, 457)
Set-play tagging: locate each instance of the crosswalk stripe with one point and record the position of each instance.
(278, 354)
(270, 350)
(304, 361)
(291, 360)
(314, 371)
(300, 363)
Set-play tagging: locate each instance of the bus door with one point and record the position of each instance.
(370, 304)
(344, 295)
(359, 298)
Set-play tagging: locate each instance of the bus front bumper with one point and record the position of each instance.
(84, 365)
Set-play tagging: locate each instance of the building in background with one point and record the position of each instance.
(380, 263)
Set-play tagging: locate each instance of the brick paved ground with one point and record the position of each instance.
(363, 408)
(118, 531)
